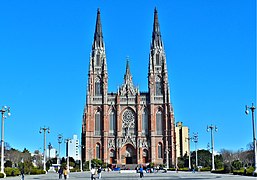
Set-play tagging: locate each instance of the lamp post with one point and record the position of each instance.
(212, 128)
(189, 155)
(195, 139)
(90, 150)
(49, 149)
(167, 157)
(67, 153)
(40, 131)
(252, 108)
(4, 110)
(81, 163)
(59, 142)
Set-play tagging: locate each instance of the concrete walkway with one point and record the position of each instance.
(148, 176)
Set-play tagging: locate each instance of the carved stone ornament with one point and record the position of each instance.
(111, 143)
(144, 143)
(125, 140)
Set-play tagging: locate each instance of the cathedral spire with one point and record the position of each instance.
(127, 77)
(127, 87)
(156, 36)
(98, 36)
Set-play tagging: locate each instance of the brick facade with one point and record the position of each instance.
(128, 126)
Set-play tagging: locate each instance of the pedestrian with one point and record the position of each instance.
(22, 174)
(141, 171)
(193, 169)
(65, 173)
(93, 172)
(60, 172)
(99, 172)
(245, 171)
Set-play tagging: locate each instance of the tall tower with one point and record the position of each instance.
(161, 111)
(97, 75)
(93, 129)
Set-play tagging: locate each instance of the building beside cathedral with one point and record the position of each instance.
(128, 126)
(182, 140)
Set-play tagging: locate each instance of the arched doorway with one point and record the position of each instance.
(128, 154)
(145, 156)
(111, 156)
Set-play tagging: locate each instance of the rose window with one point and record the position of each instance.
(128, 119)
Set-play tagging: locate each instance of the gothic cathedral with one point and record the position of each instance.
(128, 126)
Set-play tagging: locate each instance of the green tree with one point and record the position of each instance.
(8, 163)
(203, 156)
(237, 164)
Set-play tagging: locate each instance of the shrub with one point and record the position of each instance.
(249, 172)
(35, 171)
(75, 170)
(1, 175)
(151, 165)
(171, 169)
(205, 169)
(183, 169)
(219, 171)
(12, 171)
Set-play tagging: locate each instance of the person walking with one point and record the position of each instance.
(65, 173)
(60, 172)
(93, 172)
(141, 171)
(22, 174)
(99, 172)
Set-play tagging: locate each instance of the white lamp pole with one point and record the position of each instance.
(189, 153)
(3, 111)
(167, 158)
(40, 131)
(67, 153)
(212, 128)
(252, 108)
(59, 153)
(81, 164)
(195, 139)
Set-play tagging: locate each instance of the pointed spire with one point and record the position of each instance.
(156, 36)
(127, 67)
(127, 87)
(98, 37)
(127, 77)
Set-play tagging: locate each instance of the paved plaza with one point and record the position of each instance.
(123, 176)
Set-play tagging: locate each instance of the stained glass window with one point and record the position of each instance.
(145, 122)
(159, 123)
(112, 122)
(97, 123)
(159, 150)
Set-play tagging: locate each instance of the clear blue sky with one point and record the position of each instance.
(45, 47)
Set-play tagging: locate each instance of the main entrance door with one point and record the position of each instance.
(129, 155)
(129, 160)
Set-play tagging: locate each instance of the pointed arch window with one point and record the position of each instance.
(98, 90)
(97, 123)
(158, 60)
(159, 150)
(98, 60)
(112, 122)
(145, 122)
(158, 86)
(97, 151)
(159, 125)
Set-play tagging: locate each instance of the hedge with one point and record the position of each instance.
(249, 172)
(12, 171)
